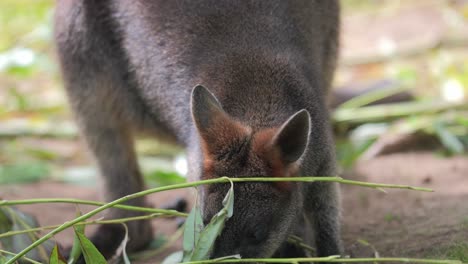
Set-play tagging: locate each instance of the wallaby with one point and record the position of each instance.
(131, 66)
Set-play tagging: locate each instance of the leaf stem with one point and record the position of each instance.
(24, 258)
(88, 202)
(94, 222)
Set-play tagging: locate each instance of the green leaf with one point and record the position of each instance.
(462, 120)
(363, 242)
(76, 248)
(11, 219)
(20, 99)
(6, 225)
(228, 202)
(213, 229)
(55, 257)
(90, 252)
(23, 172)
(348, 152)
(5, 222)
(192, 230)
(174, 258)
(42, 154)
(374, 95)
(21, 71)
(450, 141)
(163, 178)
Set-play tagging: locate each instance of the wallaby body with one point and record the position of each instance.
(130, 66)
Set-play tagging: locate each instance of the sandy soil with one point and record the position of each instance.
(407, 223)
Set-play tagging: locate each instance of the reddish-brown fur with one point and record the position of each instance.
(222, 131)
(263, 147)
(225, 130)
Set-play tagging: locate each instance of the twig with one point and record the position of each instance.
(24, 258)
(87, 202)
(93, 222)
(298, 242)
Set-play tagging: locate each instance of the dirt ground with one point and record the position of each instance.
(407, 223)
(396, 223)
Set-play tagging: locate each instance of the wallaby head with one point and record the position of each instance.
(264, 213)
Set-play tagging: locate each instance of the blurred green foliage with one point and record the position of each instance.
(27, 66)
(33, 105)
(25, 23)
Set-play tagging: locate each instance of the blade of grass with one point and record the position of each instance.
(373, 96)
(383, 112)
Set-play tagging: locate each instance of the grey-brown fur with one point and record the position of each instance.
(130, 66)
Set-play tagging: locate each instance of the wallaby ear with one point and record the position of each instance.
(205, 107)
(293, 136)
(214, 125)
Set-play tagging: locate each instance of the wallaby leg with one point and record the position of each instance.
(323, 211)
(101, 96)
(104, 125)
(113, 148)
(292, 249)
